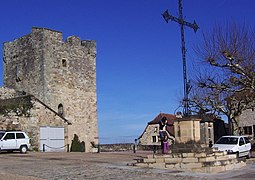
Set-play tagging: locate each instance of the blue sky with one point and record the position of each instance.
(139, 66)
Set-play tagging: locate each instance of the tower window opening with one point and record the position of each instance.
(60, 110)
(64, 63)
(17, 74)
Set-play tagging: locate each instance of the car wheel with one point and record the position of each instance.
(237, 154)
(23, 149)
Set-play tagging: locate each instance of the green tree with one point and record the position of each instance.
(76, 145)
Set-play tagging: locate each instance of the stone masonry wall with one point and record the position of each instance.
(187, 130)
(247, 118)
(59, 74)
(23, 64)
(30, 121)
(6, 93)
(150, 131)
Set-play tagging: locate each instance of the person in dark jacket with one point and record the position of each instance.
(163, 134)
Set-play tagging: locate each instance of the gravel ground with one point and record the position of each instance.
(76, 166)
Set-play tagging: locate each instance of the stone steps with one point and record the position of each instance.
(210, 162)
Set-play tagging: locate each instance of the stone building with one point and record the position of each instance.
(204, 129)
(151, 131)
(59, 74)
(247, 123)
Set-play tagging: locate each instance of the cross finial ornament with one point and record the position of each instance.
(195, 27)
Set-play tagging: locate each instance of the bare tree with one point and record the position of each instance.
(229, 87)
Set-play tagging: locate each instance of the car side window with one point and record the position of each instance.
(241, 142)
(246, 140)
(9, 136)
(20, 136)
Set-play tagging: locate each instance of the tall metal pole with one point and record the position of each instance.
(194, 26)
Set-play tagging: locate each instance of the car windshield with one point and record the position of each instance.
(227, 140)
(1, 134)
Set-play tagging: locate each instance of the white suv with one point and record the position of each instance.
(13, 141)
(239, 145)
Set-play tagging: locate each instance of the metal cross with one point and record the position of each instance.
(195, 27)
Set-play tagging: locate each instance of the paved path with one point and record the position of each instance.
(76, 166)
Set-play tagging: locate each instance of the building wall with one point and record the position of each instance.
(206, 132)
(57, 73)
(247, 123)
(35, 116)
(7, 93)
(147, 137)
(187, 130)
(247, 118)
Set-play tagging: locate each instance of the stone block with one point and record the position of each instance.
(215, 169)
(189, 160)
(151, 156)
(177, 166)
(173, 160)
(177, 155)
(231, 156)
(219, 153)
(158, 165)
(170, 166)
(206, 159)
(198, 155)
(199, 170)
(217, 163)
(188, 155)
(235, 166)
(160, 159)
(221, 158)
(149, 160)
(191, 165)
(167, 156)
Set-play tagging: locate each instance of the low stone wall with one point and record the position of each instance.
(127, 147)
(195, 162)
(116, 147)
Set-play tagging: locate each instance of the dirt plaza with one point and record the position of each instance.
(114, 165)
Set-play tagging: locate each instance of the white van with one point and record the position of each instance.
(239, 145)
(14, 141)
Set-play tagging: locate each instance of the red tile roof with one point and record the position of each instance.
(170, 118)
(170, 121)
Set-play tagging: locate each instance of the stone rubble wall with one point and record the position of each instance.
(7, 93)
(247, 118)
(149, 132)
(30, 121)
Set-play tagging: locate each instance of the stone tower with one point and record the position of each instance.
(61, 74)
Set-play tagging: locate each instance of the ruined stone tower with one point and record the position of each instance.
(62, 74)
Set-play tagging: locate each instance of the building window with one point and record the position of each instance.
(17, 74)
(155, 129)
(254, 131)
(209, 133)
(60, 110)
(154, 138)
(247, 130)
(64, 63)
